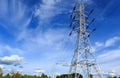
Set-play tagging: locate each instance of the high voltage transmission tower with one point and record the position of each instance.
(83, 61)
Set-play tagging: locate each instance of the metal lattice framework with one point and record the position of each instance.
(83, 60)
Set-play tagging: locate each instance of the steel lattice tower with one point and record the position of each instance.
(83, 59)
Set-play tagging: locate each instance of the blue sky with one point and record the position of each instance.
(34, 34)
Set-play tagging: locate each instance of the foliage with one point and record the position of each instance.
(69, 76)
(44, 76)
(112, 77)
(18, 75)
(0, 75)
(7, 76)
(91, 76)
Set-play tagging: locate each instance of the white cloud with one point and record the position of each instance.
(109, 56)
(109, 60)
(49, 44)
(112, 41)
(13, 16)
(98, 44)
(102, 45)
(49, 38)
(9, 49)
(13, 59)
(1, 66)
(47, 10)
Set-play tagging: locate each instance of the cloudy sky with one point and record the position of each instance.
(34, 34)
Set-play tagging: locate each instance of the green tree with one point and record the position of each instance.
(69, 75)
(1, 76)
(16, 75)
(91, 76)
(112, 77)
(44, 76)
(7, 76)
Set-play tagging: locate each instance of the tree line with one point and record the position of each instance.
(79, 76)
(72, 76)
(18, 75)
